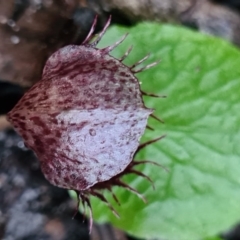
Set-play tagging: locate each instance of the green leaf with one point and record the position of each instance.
(200, 195)
(213, 238)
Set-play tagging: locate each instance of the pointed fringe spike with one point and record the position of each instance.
(124, 185)
(143, 145)
(115, 198)
(77, 207)
(102, 198)
(89, 36)
(90, 214)
(143, 175)
(156, 118)
(110, 48)
(113, 195)
(150, 128)
(100, 35)
(126, 54)
(146, 67)
(140, 61)
(153, 95)
(85, 201)
(84, 210)
(151, 162)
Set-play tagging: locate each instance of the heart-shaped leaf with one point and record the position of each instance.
(200, 195)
